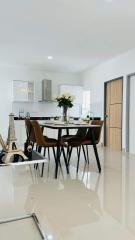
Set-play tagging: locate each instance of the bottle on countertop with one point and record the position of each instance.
(21, 113)
(27, 115)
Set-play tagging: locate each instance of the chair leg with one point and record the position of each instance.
(67, 151)
(87, 153)
(65, 159)
(36, 166)
(42, 172)
(54, 154)
(44, 152)
(48, 153)
(77, 151)
(78, 158)
(69, 155)
(84, 153)
(60, 152)
(38, 150)
(97, 157)
(36, 147)
(32, 145)
(43, 164)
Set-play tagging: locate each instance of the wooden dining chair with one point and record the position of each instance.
(43, 141)
(81, 132)
(97, 135)
(46, 143)
(30, 133)
(79, 142)
(31, 137)
(75, 141)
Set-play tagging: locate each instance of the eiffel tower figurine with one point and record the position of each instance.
(12, 147)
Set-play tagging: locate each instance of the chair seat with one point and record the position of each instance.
(80, 134)
(88, 142)
(49, 142)
(65, 138)
(72, 141)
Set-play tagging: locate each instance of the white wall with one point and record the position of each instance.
(7, 74)
(95, 78)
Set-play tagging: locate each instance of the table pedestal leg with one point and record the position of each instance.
(58, 153)
(95, 149)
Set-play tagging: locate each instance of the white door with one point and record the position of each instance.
(132, 116)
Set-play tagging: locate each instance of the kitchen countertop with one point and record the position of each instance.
(32, 118)
(48, 118)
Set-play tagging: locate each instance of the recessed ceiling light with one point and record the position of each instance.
(50, 57)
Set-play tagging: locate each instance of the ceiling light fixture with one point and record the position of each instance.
(50, 57)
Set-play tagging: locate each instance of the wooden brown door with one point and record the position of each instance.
(113, 114)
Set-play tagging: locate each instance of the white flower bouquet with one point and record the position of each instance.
(65, 100)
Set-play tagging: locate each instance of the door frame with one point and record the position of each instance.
(105, 98)
(128, 82)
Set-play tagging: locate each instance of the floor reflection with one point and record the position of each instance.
(76, 207)
(68, 201)
(113, 184)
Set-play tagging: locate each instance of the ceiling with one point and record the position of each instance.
(79, 34)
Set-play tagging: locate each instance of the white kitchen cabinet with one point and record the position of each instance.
(23, 91)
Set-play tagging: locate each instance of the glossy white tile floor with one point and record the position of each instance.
(87, 206)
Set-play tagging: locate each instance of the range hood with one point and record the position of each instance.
(46, 90)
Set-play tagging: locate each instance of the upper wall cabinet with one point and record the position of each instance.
(23, 91)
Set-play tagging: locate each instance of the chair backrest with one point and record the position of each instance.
(97, 122)
(38, 133)
(81, 132)
(29, 131)
(97, 130)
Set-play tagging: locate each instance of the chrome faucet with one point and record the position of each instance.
(28, 115)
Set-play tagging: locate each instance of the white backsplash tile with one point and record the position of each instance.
(40, 109)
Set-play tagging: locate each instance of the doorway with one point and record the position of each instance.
(113, 94)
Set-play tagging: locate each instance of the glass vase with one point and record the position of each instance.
(65, 114)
